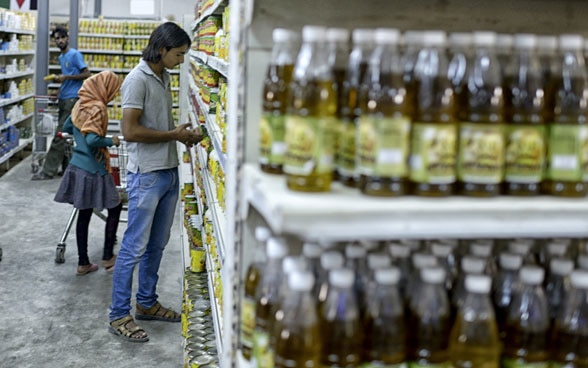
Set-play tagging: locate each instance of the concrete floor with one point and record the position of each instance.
(49, 317)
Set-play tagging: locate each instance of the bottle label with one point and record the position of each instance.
(568, 152)
(271, 139)
(263, 355)
(377, 364)
(383, 146)
(525, 154)
(430, 365)
(346, 149)
(433, 153)
(481, 153)
(516, 363)
(310, 144)
(247, 322)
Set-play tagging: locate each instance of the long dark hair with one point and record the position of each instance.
(167, 35)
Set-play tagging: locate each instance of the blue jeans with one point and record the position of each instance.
(151, 209)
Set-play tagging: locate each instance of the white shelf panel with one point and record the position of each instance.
(17, 121)
(214, 62)
(21, 145)
(17, 74)
(345, 213)
(19, 31)
(102, 35)
(17, 53)
(8, 101)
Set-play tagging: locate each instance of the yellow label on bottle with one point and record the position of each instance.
(481, 153)
(434, 152)
(271, 139)
(525, 154)
(310, 145)
(262, 353)
(346, 149)
(247, 322)
(383, 146)
(568, 152)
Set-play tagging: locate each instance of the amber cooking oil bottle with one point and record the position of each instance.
(311, 124)
(275, 98)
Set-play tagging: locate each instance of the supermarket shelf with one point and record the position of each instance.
(215, 8)
(217, 316)
(344, 213)
(21, 145)
(16, 75)
(18, 31)
(8, 101)
(212, 61)
(17, 53)
(21, 119)
(102, 35)
(214, 131)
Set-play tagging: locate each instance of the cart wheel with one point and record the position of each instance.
(34, 168)
(60, 253)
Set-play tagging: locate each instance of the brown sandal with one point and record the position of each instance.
(157, 313)
(126, 329)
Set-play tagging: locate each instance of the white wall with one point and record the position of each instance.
(122, 9)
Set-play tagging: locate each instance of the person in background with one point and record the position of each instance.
(86, 181)
(152, 180)
(73, 73)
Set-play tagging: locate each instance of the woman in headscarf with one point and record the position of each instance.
(87, 183)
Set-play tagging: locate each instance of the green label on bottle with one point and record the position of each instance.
(310, 145)
(377, 364)
(271, 139)
(383, 146)
(517, 363)
(247, 322)
(525, 154)
(433, 154)
(568, 152)
(429, 365)
(346, 149)
(262, 354)
(481, 153)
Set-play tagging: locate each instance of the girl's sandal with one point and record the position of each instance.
(109, 264)
(126, 329)
(157, 313)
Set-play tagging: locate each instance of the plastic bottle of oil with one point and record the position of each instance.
(505, 285)
(330, 260)
(470, 265)
(570, 336)
(252, 278)
(557, 284)
(460, 51)
(340, 321)
(275, 98)
(429, 321)
(267, 301)
(383, 138)
(363, 44)
(480, 166)
(384, 323)
(474, 338)
(504, 49)
(434, 128)
(298, 338)
(311, 124)
(547, 51)
(526, 340)
(338, 46)
(525, 107)
(568, 132)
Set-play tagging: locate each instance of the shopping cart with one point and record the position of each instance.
(118, 164)
(46, 121)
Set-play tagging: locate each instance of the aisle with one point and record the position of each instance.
(49, 317)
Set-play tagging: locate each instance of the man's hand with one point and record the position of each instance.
(59, 78)
(188, 136)
(116, 140)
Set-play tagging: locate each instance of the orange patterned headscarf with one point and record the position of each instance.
(90, 114)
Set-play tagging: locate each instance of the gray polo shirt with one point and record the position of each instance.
(142, 89)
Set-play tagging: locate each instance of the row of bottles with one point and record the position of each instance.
(442, 303)
(397, 114)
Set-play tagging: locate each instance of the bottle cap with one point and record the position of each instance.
(378, 261)
(441, 250)
(386, 36)
(434, 38)
(433, 275)
(521, 248)
(531, 275)
(311, 250)
(276, 247)
(262, 234)
(561, 266)
(293, 263)
(387, 276)
(504, 41)
(399, 251)
(510, 261)
(337, 35)
(571, 42)
(422, 260)
(283, 35)
(313, 33)
(461, 39)
(331, 260)
(525, 41)
(362, 35)
(369, 245)
(413, 37)
(299, 280)
(479, 284)
(355, 251)
(547, 43)
(341, 277)
(557, 249)
(579, 279)
(471, 264)
(583, 261)
(484, 38)
(481, 250)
